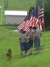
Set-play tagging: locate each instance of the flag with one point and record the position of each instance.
(41, 13)
(41, 17)
(35, 21)
(21, 25)
(24, 24)
(32, 20)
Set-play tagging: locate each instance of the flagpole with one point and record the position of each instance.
(44, 21)
(41, 6)
(36, 3)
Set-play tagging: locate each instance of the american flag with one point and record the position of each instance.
(25, 24)
(21, 25)
(38, 15)
(28, 21)
(41, 17)
(41, 12)
(31, 21)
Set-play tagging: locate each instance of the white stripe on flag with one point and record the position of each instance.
(41, 12)
(26, 28)
(21, 26)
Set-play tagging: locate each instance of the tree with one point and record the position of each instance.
(47, 6)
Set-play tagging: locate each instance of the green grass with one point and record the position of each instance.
(20, 4)
(9, 39)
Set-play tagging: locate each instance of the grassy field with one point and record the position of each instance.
(17, 4)
(9, 39)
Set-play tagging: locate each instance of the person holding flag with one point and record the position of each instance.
(37, 34)
(24, 45)
(30, 35)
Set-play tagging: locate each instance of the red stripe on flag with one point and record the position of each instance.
(27, 24)
(41, 13)
(21, 25)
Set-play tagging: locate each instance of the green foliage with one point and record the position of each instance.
(47, 14)
(47, 6)
(47, 21)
